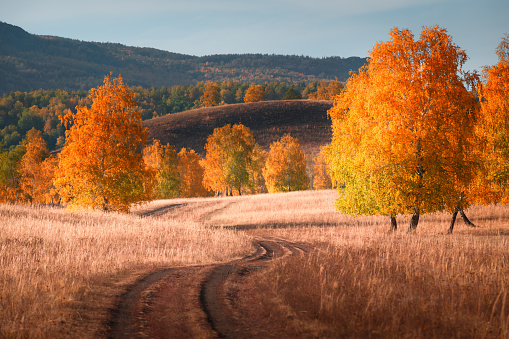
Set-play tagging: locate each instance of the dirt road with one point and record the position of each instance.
(204, 301)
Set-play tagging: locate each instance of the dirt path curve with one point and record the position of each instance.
(194, 301)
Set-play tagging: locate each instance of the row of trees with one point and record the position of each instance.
(105, 163)
(414, 133)
(20, 112)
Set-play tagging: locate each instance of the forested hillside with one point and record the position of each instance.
(31, 62)
(269, 120)
(22, 111)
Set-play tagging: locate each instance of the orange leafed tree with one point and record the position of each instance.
(492, 185)
(255, 93)
(327, 90)
(403, 129)
(229, 151)
(36, 170)
(211, 95)
(101, 164)
(285, 167)
(321, 176)
(191, 174)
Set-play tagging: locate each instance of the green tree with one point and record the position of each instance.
(292, 94)
(10, 178)
(163, 161)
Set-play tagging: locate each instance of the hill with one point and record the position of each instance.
(269, 120)
(29, 62)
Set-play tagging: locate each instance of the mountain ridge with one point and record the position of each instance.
(31, 62)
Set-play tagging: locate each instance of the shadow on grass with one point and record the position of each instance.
(160, 211)
(285, 225)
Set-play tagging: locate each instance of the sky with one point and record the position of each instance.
(316, 28)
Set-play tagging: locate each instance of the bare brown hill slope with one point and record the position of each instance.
(269, 120)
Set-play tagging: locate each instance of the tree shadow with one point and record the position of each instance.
(273, 225)
(160, 211)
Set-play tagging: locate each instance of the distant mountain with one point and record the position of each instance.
(29, 62)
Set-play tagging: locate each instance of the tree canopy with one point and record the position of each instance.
(255, 93)
(285, 167)
(229, 150)
(191, 174)
(493, 129)
(101, 164)
(403, 129)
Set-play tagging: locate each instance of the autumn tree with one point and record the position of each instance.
(492, 183)
(327, 90)
(101, 164)
(229, 151)
(36, 170)
(255, 167)
(255, 93)
(211, 95)
(191, 174)
(285, 167)
(162, 160)
(403, 129)
(321, 176)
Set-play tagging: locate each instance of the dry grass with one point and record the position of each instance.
(366, 283)
(60, 271)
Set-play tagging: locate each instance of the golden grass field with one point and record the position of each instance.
(61, 272)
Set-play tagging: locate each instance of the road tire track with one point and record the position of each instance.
(192, 301)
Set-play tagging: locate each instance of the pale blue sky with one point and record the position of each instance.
(314, 27)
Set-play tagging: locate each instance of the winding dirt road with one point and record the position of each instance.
(202, 301)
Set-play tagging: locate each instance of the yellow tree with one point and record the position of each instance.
(211, 95)
(101, 164)
(255, 93)
(191, 174)
(403, 129)
(229, 151)
(255, 169)
(162, 160)
(285, 167)
(321, 177)
(327, 90)
(36, 169)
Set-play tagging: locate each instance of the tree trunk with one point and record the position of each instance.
(394, 224)
(105, 204)
(453, 220)
(465, 219)
(414, 221)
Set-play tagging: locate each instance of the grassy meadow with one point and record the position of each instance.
(62, 271)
